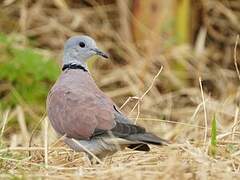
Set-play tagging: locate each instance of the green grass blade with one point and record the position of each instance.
(213, 147)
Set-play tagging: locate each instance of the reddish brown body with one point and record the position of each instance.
(76, 106)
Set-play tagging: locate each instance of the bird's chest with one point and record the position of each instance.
(83, 90)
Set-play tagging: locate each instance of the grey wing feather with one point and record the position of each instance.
(125, 129)
(119, 117)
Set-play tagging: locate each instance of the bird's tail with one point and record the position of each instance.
(147, 138)
(144, 139)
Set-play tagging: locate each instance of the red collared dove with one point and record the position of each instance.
(78, 109)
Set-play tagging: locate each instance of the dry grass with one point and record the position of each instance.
(178, 104)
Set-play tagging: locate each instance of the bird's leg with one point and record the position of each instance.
(87, 159)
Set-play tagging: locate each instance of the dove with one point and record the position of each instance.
(88, 119)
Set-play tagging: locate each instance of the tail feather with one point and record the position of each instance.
(147, 138)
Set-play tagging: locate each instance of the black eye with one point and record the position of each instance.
(82, 44)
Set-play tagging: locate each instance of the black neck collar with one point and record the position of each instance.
(73, 66)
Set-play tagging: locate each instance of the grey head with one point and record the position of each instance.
(78, 49)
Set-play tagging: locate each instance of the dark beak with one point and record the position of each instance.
(100, 53)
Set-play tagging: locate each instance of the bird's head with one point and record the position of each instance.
(78, 49)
